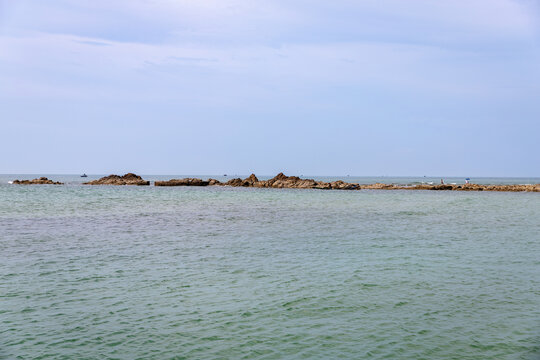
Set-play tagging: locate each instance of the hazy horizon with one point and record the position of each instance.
(231, 175)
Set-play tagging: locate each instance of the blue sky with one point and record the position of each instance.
(382, 87)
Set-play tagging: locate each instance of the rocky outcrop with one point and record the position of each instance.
(342, 185)
(454, 187)
(281, 181)
(294, 182)
(127, 179)
(234, 182)
(40, 181)
(378, 186)
(513, 188)
(250, 181)
(183, 182)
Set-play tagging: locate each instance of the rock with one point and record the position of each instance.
(281, 181)
(341, 185)
(378, 186)
(234, 182)
(183, 182)
(127, 179)
(40, 181)
(323, 185)
(473, 187)
(442, 187)
(250, 181)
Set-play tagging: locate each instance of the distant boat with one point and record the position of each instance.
(224, 174)
(84, 175)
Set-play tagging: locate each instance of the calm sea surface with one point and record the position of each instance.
(108, 272)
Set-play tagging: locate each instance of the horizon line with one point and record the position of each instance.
(290, 174)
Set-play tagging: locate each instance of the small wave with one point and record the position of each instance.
(10, 182)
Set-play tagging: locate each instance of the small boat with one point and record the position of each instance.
(84, 175)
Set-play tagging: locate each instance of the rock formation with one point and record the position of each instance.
(127, 179)
(183, 182)
(281, 181)
(40, 181)
(463, 187)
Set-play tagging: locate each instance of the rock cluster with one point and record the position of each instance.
(454, 187)
(183, 182)
(281, 181)
(127, 179)
(40, 181)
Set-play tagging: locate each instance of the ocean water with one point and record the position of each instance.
(108, 272)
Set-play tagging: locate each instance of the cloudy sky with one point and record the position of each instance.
(375, 87)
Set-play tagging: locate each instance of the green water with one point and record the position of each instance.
(233, 273)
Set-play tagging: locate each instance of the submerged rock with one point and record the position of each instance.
(40, 181)
(127, 179)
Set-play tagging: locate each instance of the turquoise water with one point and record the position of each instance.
(235, 273)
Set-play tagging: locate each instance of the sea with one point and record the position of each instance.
(127, 272)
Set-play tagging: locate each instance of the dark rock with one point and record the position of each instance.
(127, 179)
(40, 181)
(234, 182)
(183, 182)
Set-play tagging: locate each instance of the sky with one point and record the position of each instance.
(365, 88)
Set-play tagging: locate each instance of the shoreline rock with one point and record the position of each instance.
(40, 181)
(127, 179)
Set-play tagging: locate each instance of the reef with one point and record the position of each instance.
(40, 181)
(455, 187)
(127, 179)
(282, 181)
